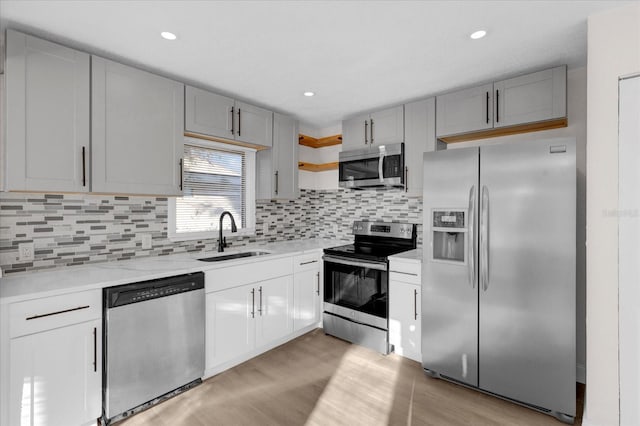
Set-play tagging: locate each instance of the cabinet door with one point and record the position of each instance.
(387, 126)
(419, 137)
(47, 126)
(306, 298)
(253, 125)
(137, 130)
(404, 319)
(273, 309)
(56, 376)
(285, 157)
(355, 133)
(533, 97)
(465, 111)
(208, 113)
(230, 329)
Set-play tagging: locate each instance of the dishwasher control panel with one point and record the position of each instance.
(154, 289)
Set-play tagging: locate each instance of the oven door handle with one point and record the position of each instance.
(351, 262)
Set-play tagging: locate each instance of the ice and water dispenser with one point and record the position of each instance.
(449, 229)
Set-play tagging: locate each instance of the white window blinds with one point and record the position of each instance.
(214, 181)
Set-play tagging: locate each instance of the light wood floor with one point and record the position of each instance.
(319, 380)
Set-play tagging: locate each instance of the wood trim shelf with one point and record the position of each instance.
(319, 143)
(311, 167)
(504, 131)
(224, 140)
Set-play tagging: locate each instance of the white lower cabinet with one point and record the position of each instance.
(55, 361)
(245, 318)
(405, 309)
(307, 290)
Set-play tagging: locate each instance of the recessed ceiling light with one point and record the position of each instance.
(478, 34)
(308, 93)
(168, 36)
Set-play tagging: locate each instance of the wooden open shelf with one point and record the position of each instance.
(504, 131)
(319, 143)
(311, 167)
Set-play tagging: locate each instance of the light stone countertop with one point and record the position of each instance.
(411, 255)
(29, 285)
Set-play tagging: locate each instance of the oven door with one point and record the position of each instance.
(356, 290)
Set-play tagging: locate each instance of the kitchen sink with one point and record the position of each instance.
(233, 256)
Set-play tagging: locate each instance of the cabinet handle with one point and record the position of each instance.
(232, 129)
(253, 303)
(487, 107)
(318, 287)
(372, 131)
(58, 312)
(497, 106)
(415, 304)
(181, 173)
(366, 127)
(95, 349)
(306, 263)
(239, 118)
(276, 183)
(84, 168)
(406, 179)
(260, 308)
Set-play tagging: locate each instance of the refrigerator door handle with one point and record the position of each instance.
(471, 236)
(484, 238)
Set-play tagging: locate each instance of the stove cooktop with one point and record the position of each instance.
(366, 251)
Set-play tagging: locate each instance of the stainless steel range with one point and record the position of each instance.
(356, 282)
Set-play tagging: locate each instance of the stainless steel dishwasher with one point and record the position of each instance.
(153, 342)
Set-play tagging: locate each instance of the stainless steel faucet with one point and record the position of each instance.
(222, 241)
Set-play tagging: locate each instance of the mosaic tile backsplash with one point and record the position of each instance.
(74, 229)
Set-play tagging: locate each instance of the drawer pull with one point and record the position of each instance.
(405, 273)
(58, 312)
(311, 261)
(95, 349)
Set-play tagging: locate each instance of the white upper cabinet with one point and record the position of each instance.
(47, 116)
(465, 111)
(533, 97)
(137, 131)
(277, 175)
(208, 113)
(419, 137)
(370, 130)
(222, 117)
(537, 97)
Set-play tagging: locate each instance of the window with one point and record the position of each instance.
(216, 178)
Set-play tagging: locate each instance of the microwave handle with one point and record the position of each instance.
(380, 171)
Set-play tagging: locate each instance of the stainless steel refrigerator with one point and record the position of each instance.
(498, 286)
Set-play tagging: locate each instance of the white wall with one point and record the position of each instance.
(613, 51)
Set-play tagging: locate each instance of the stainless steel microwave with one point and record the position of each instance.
(381, 166)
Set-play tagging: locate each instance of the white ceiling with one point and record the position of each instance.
(356, 55)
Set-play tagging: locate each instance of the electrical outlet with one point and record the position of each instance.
(146, 241)
(25, 252)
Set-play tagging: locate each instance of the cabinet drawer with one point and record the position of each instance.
(33, 316)
(408, 272)
(305, 262)
(246, 273)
